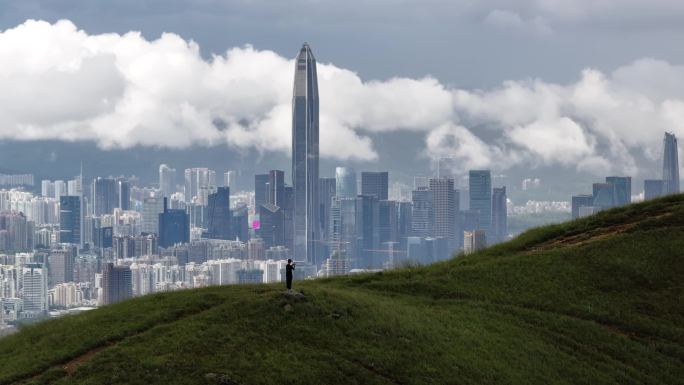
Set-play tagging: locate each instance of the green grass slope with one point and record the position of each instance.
(594, 301)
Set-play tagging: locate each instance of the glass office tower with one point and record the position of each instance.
(305, 157)
(345, 182)
(670, 165)
(480, 184)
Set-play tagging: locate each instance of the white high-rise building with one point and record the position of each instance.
(60, 189)
(142, 277)
(66, 295)
(223, 271)
(8, 281)
(229, 178)
(196, 179)
(47, 189)
(34, 288)
(167, 180)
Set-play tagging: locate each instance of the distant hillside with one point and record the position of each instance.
(594, 301)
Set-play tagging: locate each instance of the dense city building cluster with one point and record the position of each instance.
(76, 244)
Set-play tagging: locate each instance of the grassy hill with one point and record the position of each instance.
(594, 301)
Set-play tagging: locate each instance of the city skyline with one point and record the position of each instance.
(341, 192)
(200, 226)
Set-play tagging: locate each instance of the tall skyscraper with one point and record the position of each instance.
(288, 217)
(623, 189)
(219, 214)
(670, 165)
(480, 186)
(272, 226)
(61, 264)
(70, 219)
(196, 179)
(305, 156)
(444, 208)
(404, 221)
(499, 215)
(375, 183)
(239, 226)
(123, 194)
(230, 178)
(345, 182)
(167, 180)
(368, 211)
(47, 188)
(174, 226)
(60, 188)
(387, 228)
(260, 190)
(422, 212)
(105, 198)
(326, 191)
(151, 208)
(276, 187)
(74, 186)
(34, 288)
(345, 227)
(117, 284)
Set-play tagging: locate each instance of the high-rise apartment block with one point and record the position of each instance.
(34, 282)
(196, 179)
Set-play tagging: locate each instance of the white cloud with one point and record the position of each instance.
(124, 90)
(467, 150)
(603, 123)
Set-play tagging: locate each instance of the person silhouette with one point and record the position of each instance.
(288, 274)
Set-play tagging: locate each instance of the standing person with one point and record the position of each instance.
(288, 274)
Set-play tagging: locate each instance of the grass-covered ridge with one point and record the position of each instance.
(594, 301)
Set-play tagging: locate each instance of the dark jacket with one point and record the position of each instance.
(288, 271)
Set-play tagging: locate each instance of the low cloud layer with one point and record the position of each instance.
(122, 91)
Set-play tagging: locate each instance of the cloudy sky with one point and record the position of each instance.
(554, 88)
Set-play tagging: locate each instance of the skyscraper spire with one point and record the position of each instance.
(305, 156)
